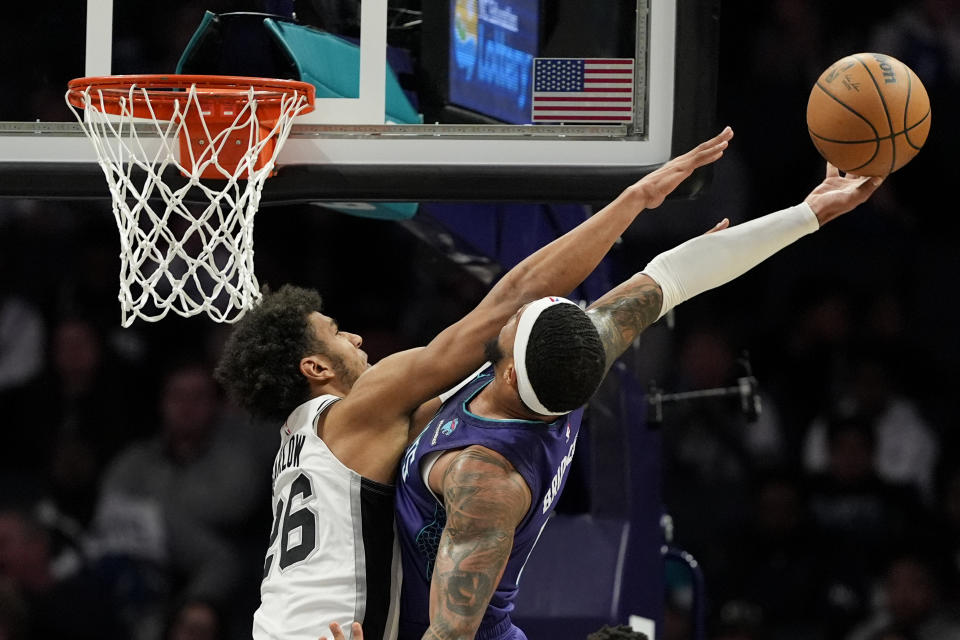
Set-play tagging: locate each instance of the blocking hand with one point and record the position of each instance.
(657, 185)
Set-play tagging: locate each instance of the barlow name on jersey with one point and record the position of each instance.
(288, 456)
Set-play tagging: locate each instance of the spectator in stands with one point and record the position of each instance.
(861, 514)
(22, 352)
(944, 534)
(775, 562)
(173, 508)
(45, 604)
(87, 402)
(906, 447)
(913, 603)
(196, 619)
(13, 612)
(739, 621)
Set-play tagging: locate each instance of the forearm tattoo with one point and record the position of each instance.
(623, 313)
(485, 499)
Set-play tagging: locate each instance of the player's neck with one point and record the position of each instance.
(334, 387)
(499, 402)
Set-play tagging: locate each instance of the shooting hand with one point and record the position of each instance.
(837, 194)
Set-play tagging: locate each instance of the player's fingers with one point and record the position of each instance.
(869, 183)
(710, 146)
(864, 182)
(723, 136)
(355, 629)
(700, 157)
(723, 224)
(716, 143)
(832, 171)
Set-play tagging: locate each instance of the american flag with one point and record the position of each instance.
(582, 90)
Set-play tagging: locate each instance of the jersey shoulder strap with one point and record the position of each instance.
(306, 415)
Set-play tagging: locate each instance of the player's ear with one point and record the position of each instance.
(316, 369)
(510, 375)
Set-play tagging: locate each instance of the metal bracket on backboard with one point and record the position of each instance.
(640, 69)
(597, 132)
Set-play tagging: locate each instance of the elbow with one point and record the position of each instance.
(521, 286)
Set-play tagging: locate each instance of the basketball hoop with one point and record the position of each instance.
(166, 140)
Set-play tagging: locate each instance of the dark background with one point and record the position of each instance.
(853, 329)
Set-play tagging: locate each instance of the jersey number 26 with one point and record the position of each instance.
(286, 521)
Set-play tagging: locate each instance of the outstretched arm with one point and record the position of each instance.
(713, 259)
(401, 382)
(485, 500)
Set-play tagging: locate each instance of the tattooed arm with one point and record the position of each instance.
(717, 257)
(625, 311)
(485, 499)
(622, 313)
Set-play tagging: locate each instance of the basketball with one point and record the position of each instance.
(868, 114)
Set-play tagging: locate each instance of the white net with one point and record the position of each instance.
(186, 244)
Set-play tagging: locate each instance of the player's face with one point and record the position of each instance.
(348, 360)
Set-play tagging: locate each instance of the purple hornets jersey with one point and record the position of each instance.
(541, 452)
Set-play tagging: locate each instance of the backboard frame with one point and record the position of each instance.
(435, 162)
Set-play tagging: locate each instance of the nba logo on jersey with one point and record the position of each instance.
(448, 427)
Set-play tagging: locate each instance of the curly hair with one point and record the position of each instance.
(619, 632)
(565, 358)
(260, 363)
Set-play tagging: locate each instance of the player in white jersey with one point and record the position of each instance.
(323, 505)
(332, 549)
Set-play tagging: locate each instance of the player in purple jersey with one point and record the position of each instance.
(537, 456)
(285, 353)
(479, 482)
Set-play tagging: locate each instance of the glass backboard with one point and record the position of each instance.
(454, 100)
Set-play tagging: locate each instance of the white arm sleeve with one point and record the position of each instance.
(710, 260)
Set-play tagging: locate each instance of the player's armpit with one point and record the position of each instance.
(425, 412)
(485, 500)
(422, 416)
(624, 312)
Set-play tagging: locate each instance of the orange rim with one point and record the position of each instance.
(161, 89)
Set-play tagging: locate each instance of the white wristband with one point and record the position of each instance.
(710, 260)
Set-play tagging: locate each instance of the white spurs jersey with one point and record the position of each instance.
(333, 555)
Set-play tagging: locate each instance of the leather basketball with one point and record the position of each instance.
(868, 114)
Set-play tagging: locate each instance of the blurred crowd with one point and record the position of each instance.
(835, 514)
(134, 497)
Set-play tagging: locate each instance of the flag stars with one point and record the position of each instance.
(559, 75)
